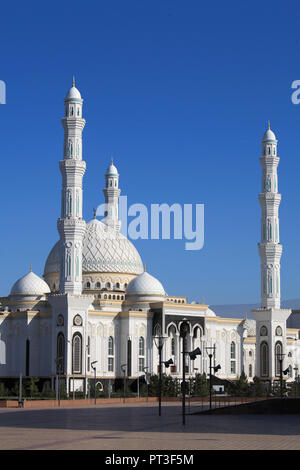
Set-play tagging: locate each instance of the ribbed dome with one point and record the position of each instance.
(30, 284)
(104, 250)
(145, 284)
(73, 93)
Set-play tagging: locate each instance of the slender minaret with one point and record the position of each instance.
(112, 193)
(71, 226)
(270, 249)
(270, 318)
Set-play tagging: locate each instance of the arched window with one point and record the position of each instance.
(173, 348)
(27, 367)
(68, 264)
(233, 358)
(110, 354)
(250, 370)
(118, 285)
(108, 285)
(278, 357)
(77, 353)
(88, 285)
(141, 354)
(77, 265)
(110, 346)
(141, 346)
(232, 350)
(60, 353)
(264, 359)
(98, 285)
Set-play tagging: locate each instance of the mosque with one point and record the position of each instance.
(98, 311)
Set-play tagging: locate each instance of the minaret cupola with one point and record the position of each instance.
(73, 102)
(269, 143)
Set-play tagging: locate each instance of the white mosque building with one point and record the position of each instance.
(98, 307)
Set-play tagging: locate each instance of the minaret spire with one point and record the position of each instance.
(270, 318)
(112, 193)
(71, 226)
(270, 248)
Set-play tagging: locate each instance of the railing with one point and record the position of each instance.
(219, 401)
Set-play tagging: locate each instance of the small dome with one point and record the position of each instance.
(112, 170)
(73, 93)
(30, 284)
(145, 284)
(269, 135)
(210, 313)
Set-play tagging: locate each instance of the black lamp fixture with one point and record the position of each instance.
(168, 363)
(194, 354)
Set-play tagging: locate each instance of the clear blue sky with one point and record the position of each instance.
(180, 93)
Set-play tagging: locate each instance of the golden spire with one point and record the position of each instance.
(144, 267)
(269, 125)
(73, 81)
(203, 300)
(31, 268)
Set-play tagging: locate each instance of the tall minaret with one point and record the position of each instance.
(71, 226)
(270, 318)
(112, 193)
(270, 249)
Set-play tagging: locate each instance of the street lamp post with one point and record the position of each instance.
(147, 380)
(94, 369)
(159, 342)
(183, 332)
(58, 367)
(296, 380)
(184, 329)
(123, 369)
(280, 357)
(211, 352)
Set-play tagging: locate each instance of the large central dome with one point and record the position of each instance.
(104, 250)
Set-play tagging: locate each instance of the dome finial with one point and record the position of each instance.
(94, 210)
(268, 124)
(31, 267)
(73, 81)
(111, 160)
(145, 267)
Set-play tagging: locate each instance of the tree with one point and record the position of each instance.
(241, 386)
(200, 388)
(31, 387)
(257, 388)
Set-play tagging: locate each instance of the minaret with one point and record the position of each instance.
(71, 226)
(270, 249)
(270, 318)
(112, 193)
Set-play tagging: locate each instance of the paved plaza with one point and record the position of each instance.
(138, 427)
